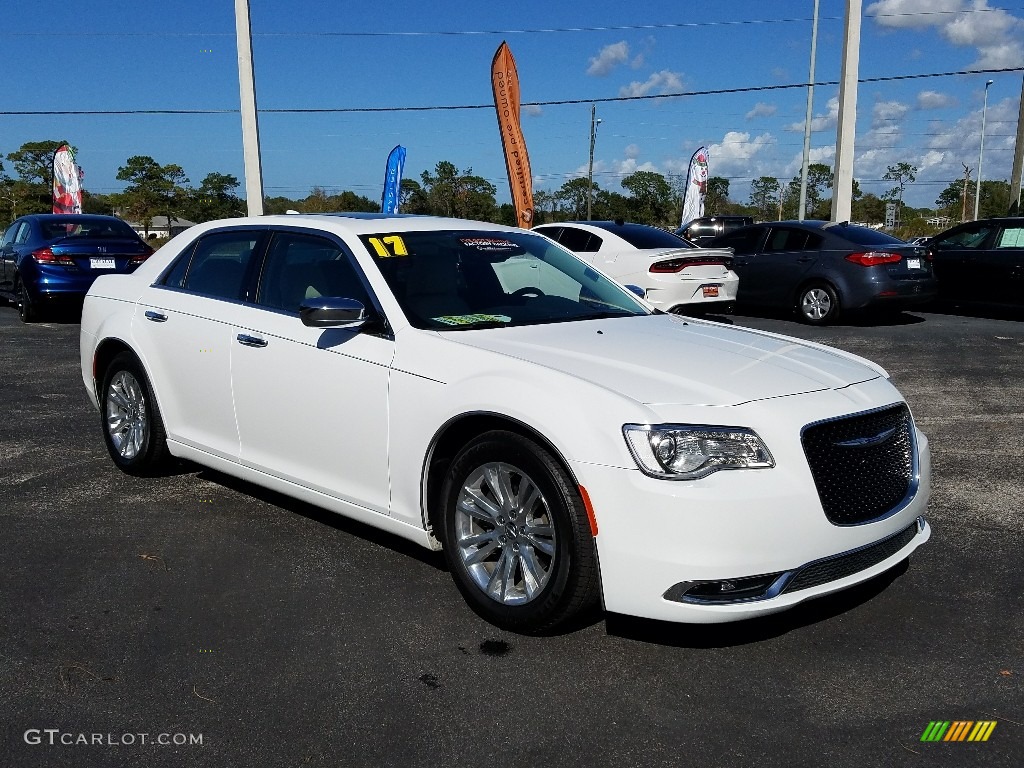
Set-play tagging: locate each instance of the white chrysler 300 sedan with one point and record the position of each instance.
(479, 389)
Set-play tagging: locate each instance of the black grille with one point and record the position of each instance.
(841, 566)
(862, 465)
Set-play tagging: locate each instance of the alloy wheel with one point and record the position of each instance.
(505, 533)
(127, 422)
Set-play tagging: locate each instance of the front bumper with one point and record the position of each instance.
(656, 535)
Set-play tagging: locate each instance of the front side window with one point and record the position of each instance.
(300, 267)
(742, 241)
(218, 265)
(460, 279)
(968, 238)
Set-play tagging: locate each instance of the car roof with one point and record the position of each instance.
(69, 217)
(358, 223)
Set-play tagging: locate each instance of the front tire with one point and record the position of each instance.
(516, 534)
(133, 430)
(818, 304)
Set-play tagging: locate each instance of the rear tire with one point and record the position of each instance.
(133, 430)
(26, 307)
(818, 304)
(516, 534)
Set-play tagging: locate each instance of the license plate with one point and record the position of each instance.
(913, 263)
(102, 264)
(710, 291)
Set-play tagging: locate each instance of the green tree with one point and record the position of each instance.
(152, 189)
(764, 197)
(463, 195)
(868, 208)
(819, 178)
(950, 201)
(716, 200)
(995, 199)
(573, 196)
(412, 198)
(31, 190)
(651, 197)
(214, 199)
(612, 206)
(902, 174)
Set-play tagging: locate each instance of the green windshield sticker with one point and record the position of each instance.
(471, 319)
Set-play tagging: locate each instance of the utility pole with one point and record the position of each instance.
(1018, 157)
(981, 152)
(594, 122)
(250, 123)
(807, 117)
(842, 181)
(967, 182)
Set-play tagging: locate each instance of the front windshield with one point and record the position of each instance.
(454, 280)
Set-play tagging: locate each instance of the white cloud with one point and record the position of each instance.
(886, 111)
(632, 151)
(761, 110)
(995, 33)
(532, 110)
(737, 154)
(934, 100)
(609, 58)
(659, 82)
(816, 155)
(903, 14)
(824, 122)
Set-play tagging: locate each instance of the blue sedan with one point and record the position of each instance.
(51, 259)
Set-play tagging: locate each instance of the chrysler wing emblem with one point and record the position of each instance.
(867, 442)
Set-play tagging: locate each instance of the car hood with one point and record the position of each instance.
(665, 359)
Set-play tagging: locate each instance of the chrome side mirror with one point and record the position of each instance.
(333, 312)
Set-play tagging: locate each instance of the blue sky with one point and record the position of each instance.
(126, 55)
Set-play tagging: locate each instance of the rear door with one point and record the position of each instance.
(184, 324)
(745, 244)
(7, 257)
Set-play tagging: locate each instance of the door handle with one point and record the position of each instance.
(156, 317)
(250, 341)
(805, 259)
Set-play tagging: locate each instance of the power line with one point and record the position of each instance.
(554, 102)
(542, 30)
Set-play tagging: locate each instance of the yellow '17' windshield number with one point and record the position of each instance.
(389, 246)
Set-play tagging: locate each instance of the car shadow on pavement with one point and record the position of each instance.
(752, 630)
(324, 516)
(980, 310)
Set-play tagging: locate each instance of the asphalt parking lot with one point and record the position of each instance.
(196, 605)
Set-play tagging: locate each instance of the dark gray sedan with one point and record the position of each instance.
(823, 269)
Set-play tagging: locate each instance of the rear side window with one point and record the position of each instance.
(792, 240)
(1011, 237)
(300, 267)
(642, 237)
(217, 267)
(864, 235)
(21, 236)
(579, 240)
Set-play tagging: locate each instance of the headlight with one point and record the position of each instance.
(689, 452)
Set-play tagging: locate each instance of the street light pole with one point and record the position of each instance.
(807, 118)
(594, 122)
(981, 154)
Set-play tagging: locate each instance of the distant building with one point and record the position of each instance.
(939, 221)
(158, 227)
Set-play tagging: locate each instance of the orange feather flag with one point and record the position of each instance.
(505, 85)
